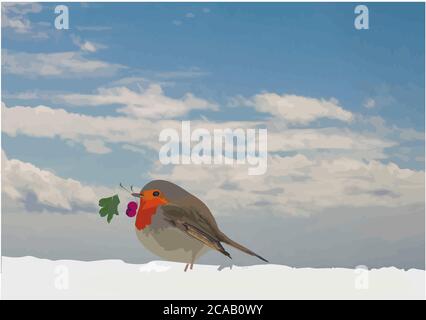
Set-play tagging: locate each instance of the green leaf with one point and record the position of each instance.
(109, 207)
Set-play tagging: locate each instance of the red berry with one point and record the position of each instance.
(131, 209)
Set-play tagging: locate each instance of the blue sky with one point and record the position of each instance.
(82, 110)
(302, 49)
(305, 49)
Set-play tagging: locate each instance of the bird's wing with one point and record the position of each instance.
(190, 221)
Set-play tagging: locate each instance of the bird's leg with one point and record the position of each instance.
(186, 267)
(192, 264)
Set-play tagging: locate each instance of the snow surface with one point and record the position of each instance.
(30, 277)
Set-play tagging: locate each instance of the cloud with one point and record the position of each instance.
(300, 185)
(369, 103)
(382, 95)
(20, 26)
(190, 15)
(150, 103)
(126, 81)
(22, 8)
(381, 129)
(324, 138)
(305, 193)
(60, 64)
(30, 187)
(295, 109)
(43, 121)
(177, 22)
(133, 148)
(15, 18)
(23, 95)
(46, 122)
(35, 201)
(96, 146)
(411, 134)
(368, 138)
(87, 46)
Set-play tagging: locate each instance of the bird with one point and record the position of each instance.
(177, 226)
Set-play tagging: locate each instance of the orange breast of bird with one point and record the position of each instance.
(146, 211)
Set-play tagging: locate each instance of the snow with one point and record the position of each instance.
(29, 277)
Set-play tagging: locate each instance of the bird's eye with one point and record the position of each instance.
(156, 193)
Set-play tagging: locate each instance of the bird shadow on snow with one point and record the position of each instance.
(224, 266)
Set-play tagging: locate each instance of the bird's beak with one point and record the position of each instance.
(137, 195)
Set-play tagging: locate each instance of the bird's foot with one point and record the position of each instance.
(190, 265)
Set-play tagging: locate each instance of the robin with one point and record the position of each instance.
(177, 226)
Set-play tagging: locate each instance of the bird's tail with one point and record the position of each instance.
(238, 246)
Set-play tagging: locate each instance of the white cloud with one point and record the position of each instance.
(380, 128)
(369, 103)
(60, 64)
(43, 121)
(96, 146)
(177, 22)
(189, 15)
(133, 148)
(324, 138)
(129, 81)
(14, 15)
(85, 45)
(252, 203)
(295, 109)
(20, 26)
(346, 174)
(300, 185)
(23, 95)
(410, 134)
(15, 18)
(150, 103)
(21, 8)
(46, 122)
(19, 179)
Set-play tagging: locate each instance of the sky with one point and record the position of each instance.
(82, 110)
